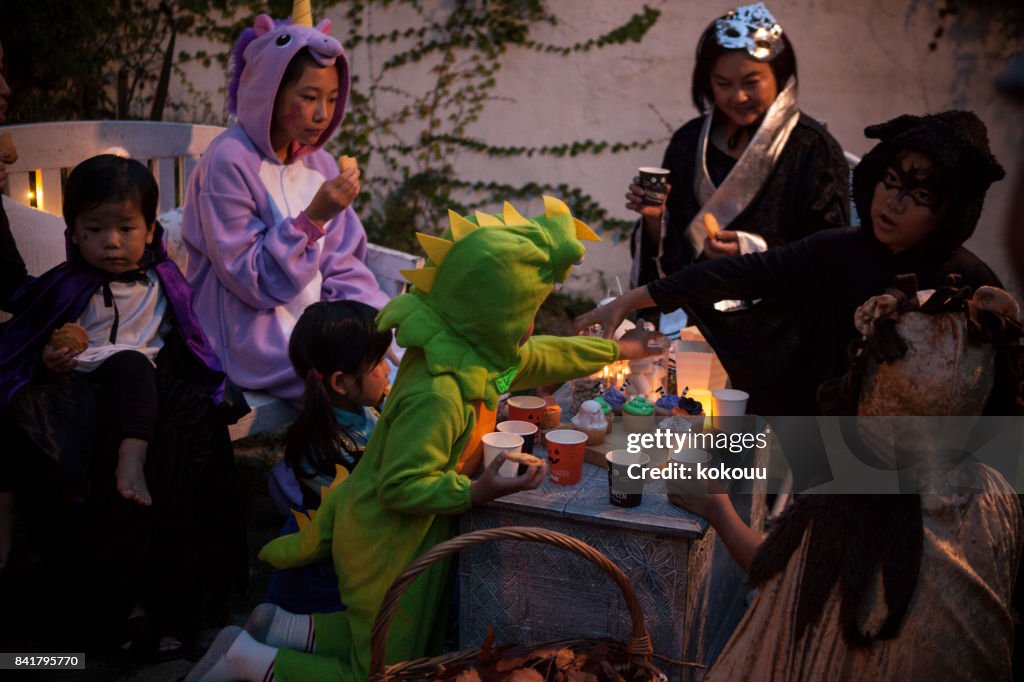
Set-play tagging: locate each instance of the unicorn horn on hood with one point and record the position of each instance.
(302, 15)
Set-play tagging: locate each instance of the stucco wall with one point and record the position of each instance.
(860, 62)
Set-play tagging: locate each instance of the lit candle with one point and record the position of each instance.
(703, 397)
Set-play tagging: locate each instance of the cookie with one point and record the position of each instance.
(522, 458)
(346, 162)
(70, 336)
(711, 225)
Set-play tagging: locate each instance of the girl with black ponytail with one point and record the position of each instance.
(337, 349)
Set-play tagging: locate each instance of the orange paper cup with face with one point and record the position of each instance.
(565, 455)
(526, 408)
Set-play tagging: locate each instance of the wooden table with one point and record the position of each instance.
(534, 593)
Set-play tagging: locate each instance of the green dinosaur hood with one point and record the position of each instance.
(489, 275)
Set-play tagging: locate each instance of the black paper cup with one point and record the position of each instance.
(625, 490)
(652, 183)
(528, 431)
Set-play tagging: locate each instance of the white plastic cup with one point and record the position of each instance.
(497, 442)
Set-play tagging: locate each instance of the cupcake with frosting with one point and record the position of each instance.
(635, 413)
(689, 408)
(615, 398)
(551, 417)
(606, 410)
(664, 405)
(590, 420)
(675, 425)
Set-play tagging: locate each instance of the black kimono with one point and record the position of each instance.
(807, 192)
(818, 283)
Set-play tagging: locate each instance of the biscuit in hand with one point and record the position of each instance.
(711, 225)
(523, 458)
(71, 336)
(346, 162)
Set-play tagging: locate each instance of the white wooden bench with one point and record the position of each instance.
(48, 151)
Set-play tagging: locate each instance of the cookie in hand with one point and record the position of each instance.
(72, 336)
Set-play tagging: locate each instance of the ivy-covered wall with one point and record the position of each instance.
(466, 102)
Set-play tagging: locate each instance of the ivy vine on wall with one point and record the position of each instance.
(411, 139)
(427, 82)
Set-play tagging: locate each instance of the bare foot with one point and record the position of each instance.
(131, 477)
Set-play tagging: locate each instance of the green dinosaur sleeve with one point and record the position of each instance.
(550, 359)
(417, 469)
(308, 545)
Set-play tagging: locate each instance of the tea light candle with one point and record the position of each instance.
(702, 396)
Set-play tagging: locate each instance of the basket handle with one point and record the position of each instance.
(639, 640)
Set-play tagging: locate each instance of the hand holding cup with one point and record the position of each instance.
(648, 192)
(491, 485)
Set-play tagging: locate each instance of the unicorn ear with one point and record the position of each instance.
(324, 26)
(263, 24)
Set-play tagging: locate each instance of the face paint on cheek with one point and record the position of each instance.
(293, 114)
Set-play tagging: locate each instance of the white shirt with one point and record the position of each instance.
(141, 326)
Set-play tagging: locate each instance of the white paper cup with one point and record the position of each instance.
(729, 402)
(689, 458)
(502, 442)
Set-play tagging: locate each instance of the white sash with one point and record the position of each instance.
(751, 171)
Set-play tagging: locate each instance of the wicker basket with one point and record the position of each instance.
(636, 653)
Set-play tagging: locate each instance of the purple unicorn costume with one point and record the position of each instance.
(255, 261)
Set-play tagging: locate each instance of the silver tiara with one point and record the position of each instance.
(751, 28)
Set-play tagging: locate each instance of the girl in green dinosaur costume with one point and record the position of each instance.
(466, 327)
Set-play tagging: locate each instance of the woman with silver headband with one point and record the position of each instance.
(768, 173)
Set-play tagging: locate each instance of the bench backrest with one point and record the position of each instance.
(48, 151)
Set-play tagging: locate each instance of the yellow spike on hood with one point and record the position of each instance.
(487, 220)
(583, 231)
(460, 226)
(435, 247)
(555, 207)
(422, 278)
(512, 216)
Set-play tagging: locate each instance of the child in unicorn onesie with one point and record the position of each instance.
(466, 329)
(268, 223)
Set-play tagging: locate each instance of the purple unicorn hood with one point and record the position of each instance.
(260, 59)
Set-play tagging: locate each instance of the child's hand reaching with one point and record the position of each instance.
(58, 361)
(333, 197)
(491, 486)
(640, 343)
